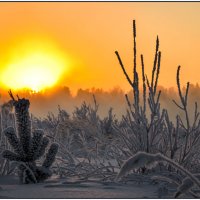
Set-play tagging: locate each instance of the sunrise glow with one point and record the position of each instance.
(39, 41)
(33, 65)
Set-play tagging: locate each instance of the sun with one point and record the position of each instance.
(33, 65)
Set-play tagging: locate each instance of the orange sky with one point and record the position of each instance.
(87, 34)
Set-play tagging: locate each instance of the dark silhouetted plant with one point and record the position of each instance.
(28, 146)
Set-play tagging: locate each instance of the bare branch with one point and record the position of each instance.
(178, 105)
(11, 95)
(155, 61)
(157, 72)
(122, 66)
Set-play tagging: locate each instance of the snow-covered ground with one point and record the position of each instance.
(63, 188)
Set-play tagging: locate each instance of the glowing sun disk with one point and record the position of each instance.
(33, 68)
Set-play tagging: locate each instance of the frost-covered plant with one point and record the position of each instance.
(185, 186)
(107, 122)
(6, 120)
(188, 130)
(139, 160)
(62, 114)
(82, 112)
(28, 146)
(143, 159)
(87, 112)
(143, 132)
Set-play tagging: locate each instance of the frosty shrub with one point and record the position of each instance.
(143, 159)
(185, 186)
(145, 118)
(28, 146)
(147, 125)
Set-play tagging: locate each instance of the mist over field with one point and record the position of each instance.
(42, 103)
